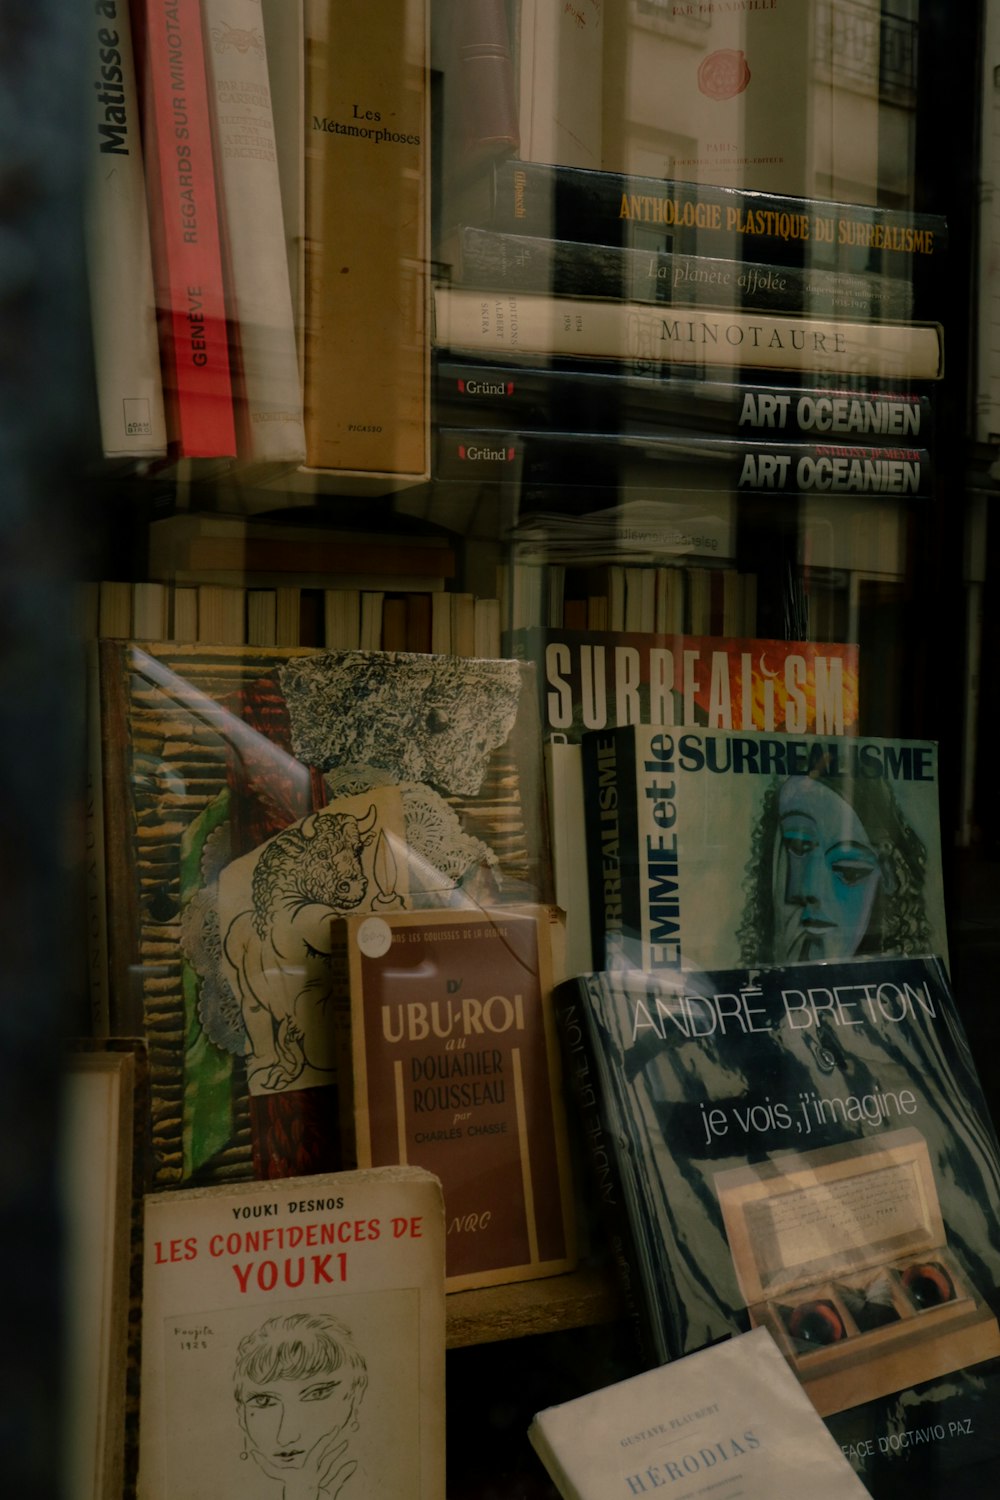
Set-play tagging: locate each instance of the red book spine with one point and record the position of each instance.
(184, 221)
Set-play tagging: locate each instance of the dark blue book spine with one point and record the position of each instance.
(612, 208)
(588, 459)
(526, 263)
(564, 395)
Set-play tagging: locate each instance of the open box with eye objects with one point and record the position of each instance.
(842, 1253)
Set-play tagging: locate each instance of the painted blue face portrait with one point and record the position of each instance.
(826, 875)
(835, 870)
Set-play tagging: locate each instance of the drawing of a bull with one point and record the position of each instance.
(277, 947)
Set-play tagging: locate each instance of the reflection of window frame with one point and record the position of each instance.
(895, 33)
(659, 15)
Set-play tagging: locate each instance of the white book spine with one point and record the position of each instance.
(258, 295)
(690, 337)
(119, 263)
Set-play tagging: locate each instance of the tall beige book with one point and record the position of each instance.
(293, 1340)
(265, 360)
(366, 252)
(119, 263)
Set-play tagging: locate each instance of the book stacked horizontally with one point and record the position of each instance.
(620, 321)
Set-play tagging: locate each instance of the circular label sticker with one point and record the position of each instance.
(374, 937)
(723, 74)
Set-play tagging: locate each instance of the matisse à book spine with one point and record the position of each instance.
(120, 267)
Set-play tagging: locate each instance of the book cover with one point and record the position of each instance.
(485, 88)
(102, 1179)
(712, 848)
(265, 359)
(525, 263)
(591, 679)
(287, 1327)
(366, 255)
(184, 212)
(561, 394)
(119, 258)
(677, 215)
(608, 460)
(250, 795)
(513, 323)
(808, 1149)
(775, 96)
(456, 1069)
(732, 1418)
(560, 51)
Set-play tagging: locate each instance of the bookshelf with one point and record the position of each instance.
(415, 498)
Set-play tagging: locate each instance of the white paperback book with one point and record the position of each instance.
(732, 1420)
(119, 261)
(259, 292)
(293, 1340)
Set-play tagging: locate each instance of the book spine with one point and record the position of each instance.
(269, 394)
(601, 1143)
(119, 258)
(688, 338)
(187, 256)
(524, 263)
(366, 188)
(610, 815)
(570, 203)
(470, 393)
(588, 459)
(486, 81)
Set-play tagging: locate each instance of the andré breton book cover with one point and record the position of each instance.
(251, 795)
(293, 1340)
(808, 1149)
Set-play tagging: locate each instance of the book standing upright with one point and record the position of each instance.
(265, 359)
(184, 213)
(126, 350)
(288, 1328)
(366, 217)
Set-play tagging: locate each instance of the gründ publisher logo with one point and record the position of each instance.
(485, 387)
(472, 453)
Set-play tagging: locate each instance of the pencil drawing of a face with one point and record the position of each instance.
(298, 1382)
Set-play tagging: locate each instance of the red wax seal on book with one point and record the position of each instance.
(723, 74)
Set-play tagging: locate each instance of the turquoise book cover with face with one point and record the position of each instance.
(710, 849)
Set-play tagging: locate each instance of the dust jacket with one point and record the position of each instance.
(253, 793)
(288, 1327)
(597, 679)
(731, 1419)
(711, 848)
(807, 1149)
(456, 1068)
